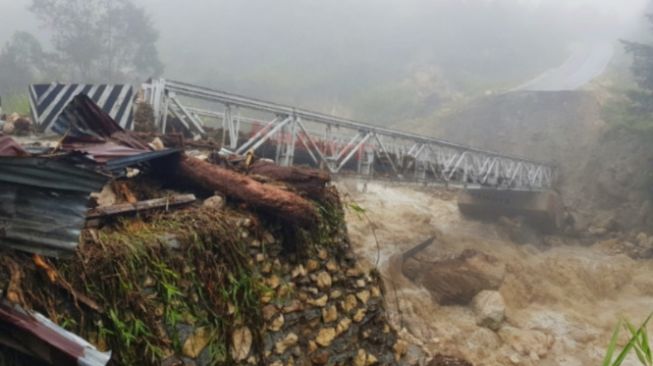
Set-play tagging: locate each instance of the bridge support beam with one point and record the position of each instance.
(542, 210)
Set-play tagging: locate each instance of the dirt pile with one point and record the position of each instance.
(556, 304)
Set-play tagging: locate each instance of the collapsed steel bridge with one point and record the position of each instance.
(337, 144)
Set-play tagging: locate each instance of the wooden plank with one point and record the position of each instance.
(148, 205)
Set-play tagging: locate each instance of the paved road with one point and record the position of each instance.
(585, 63)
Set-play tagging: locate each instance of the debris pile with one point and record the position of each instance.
(15, 124)
(116, 251)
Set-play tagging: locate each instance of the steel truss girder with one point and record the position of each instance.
(333, 143)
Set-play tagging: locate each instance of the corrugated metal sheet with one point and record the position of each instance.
(37, 336)
(48, 100)
(83, 121)
(43, 203)
(91, 131)
(117, 165)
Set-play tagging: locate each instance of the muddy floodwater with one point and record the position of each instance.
(562, 299)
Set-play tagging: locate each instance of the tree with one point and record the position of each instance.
(22, 62)
(642, 70)
(101, 40)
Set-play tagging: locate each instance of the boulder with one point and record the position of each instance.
(215, 202)
(241, 343)
(23, 126)
(489, 308)
(8, 128)
(457, 280)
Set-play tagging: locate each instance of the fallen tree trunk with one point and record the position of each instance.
(305, 180)
(286, 205)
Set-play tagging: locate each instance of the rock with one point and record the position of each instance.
(375, 291)
(290, 340)
(325, 337)
(360, 315)
(8, 128)
(332, 266)
(320, 358)
(196, 342)
(458, 280)
(323, 254)
(489, 308)
(343, 325)
(214, 202)
(642, 240)
(329, 314)
(354, 272)
(13, 117)
(293, 306)
(350, 303)
(241, 343)
(363, 358)
(268, 238)
(312, 346)
(312, 265)
(360, 283)
(363, 296)
(277, 323)
(320, 302)
(269, 311)
(255, 243)
(526, 342)
(335, 294)
(273, 281)
(604, 222)
(299, 271)
(323, 280)
(400, 348)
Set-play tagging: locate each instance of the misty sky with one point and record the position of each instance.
(345, 52)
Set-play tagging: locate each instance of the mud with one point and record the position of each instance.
(562, 298)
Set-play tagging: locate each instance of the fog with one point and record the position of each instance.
(353, 57)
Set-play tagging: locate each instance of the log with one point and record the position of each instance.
(291, 175)
(286, 205)
(310, 182)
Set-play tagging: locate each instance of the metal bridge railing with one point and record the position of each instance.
(335, 143)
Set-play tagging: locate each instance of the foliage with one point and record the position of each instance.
(636, 112)
(22, 61)
(638, 342)
(99, 40)
(16, 103)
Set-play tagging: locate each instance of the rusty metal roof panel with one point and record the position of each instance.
(9, 147)
(37, 336)
(43, 203)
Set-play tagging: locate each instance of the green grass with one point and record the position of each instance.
(16, 103)
(638, 342)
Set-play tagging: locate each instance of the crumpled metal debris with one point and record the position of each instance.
(37, 336)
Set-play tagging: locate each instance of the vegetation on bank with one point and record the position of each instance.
(638, 344)
(156, 280)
